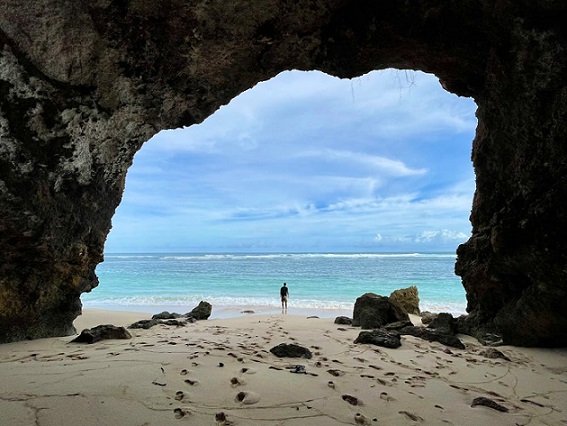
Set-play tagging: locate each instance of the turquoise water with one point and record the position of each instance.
(325, 284)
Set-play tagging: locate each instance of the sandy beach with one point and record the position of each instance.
(221, 372)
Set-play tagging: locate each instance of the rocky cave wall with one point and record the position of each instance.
(84, 84)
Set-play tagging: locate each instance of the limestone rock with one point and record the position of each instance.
(84, 84)
(291, 350)
(379, 337)
(374, 311)
(407, 299)
(201, 311)
(444, 323)
(102, 332)
(166, 315)
(432, 335)
(145, 324)
(342, 320)
(398, 325)
(427, 317)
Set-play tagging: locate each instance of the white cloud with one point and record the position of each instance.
(308, 159)
(443, 235)
(356, 160)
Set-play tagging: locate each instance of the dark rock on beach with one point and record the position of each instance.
(201, 312)
(487, 402)
(379, 337)
(427, 317)
(407, 299)
(174, 322)
(432, 335)
(285, 350)
(493, 353)
(342, 320)
(374, 311)
(398, 325)
(102, 332)
(145, 324)
(444, 323)
(166, 315)
(484, 331)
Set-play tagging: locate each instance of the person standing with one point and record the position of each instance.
(284, 294)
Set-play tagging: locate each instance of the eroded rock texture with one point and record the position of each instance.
(84, 84)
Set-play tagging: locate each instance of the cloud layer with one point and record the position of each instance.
(309, 162)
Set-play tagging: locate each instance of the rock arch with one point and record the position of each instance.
(84, 84)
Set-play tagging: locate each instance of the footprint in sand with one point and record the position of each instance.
(412, 416)
(191, 382)
(235, 381)
(181, 412)
(247, 397)
(336, 373)
(359, 419)
(179, 395)
(386, 397)
(222, 420)
(78, 357)
(352, 400)
(247, 370)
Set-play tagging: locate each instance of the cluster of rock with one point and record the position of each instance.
(388, 319)
(201, 312)
(108, 331)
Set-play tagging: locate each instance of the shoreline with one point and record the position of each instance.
(169, 374)
(223, 312)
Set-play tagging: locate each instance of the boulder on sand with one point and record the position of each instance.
(407, 299)
(284, 350)
(375, 311)
(379, 337)
(201, 312)
(342, 320)
(102, 332)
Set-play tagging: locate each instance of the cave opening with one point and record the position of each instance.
(304, 163)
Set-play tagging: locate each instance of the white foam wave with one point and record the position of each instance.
(455, 309)
(305, 256)
(224, 302)
(216, 301)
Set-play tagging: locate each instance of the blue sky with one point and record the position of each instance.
(306, 162)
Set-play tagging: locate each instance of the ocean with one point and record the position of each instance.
(325, 285)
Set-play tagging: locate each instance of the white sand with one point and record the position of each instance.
(168, 375)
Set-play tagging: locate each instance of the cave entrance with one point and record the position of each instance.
(302, 163)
